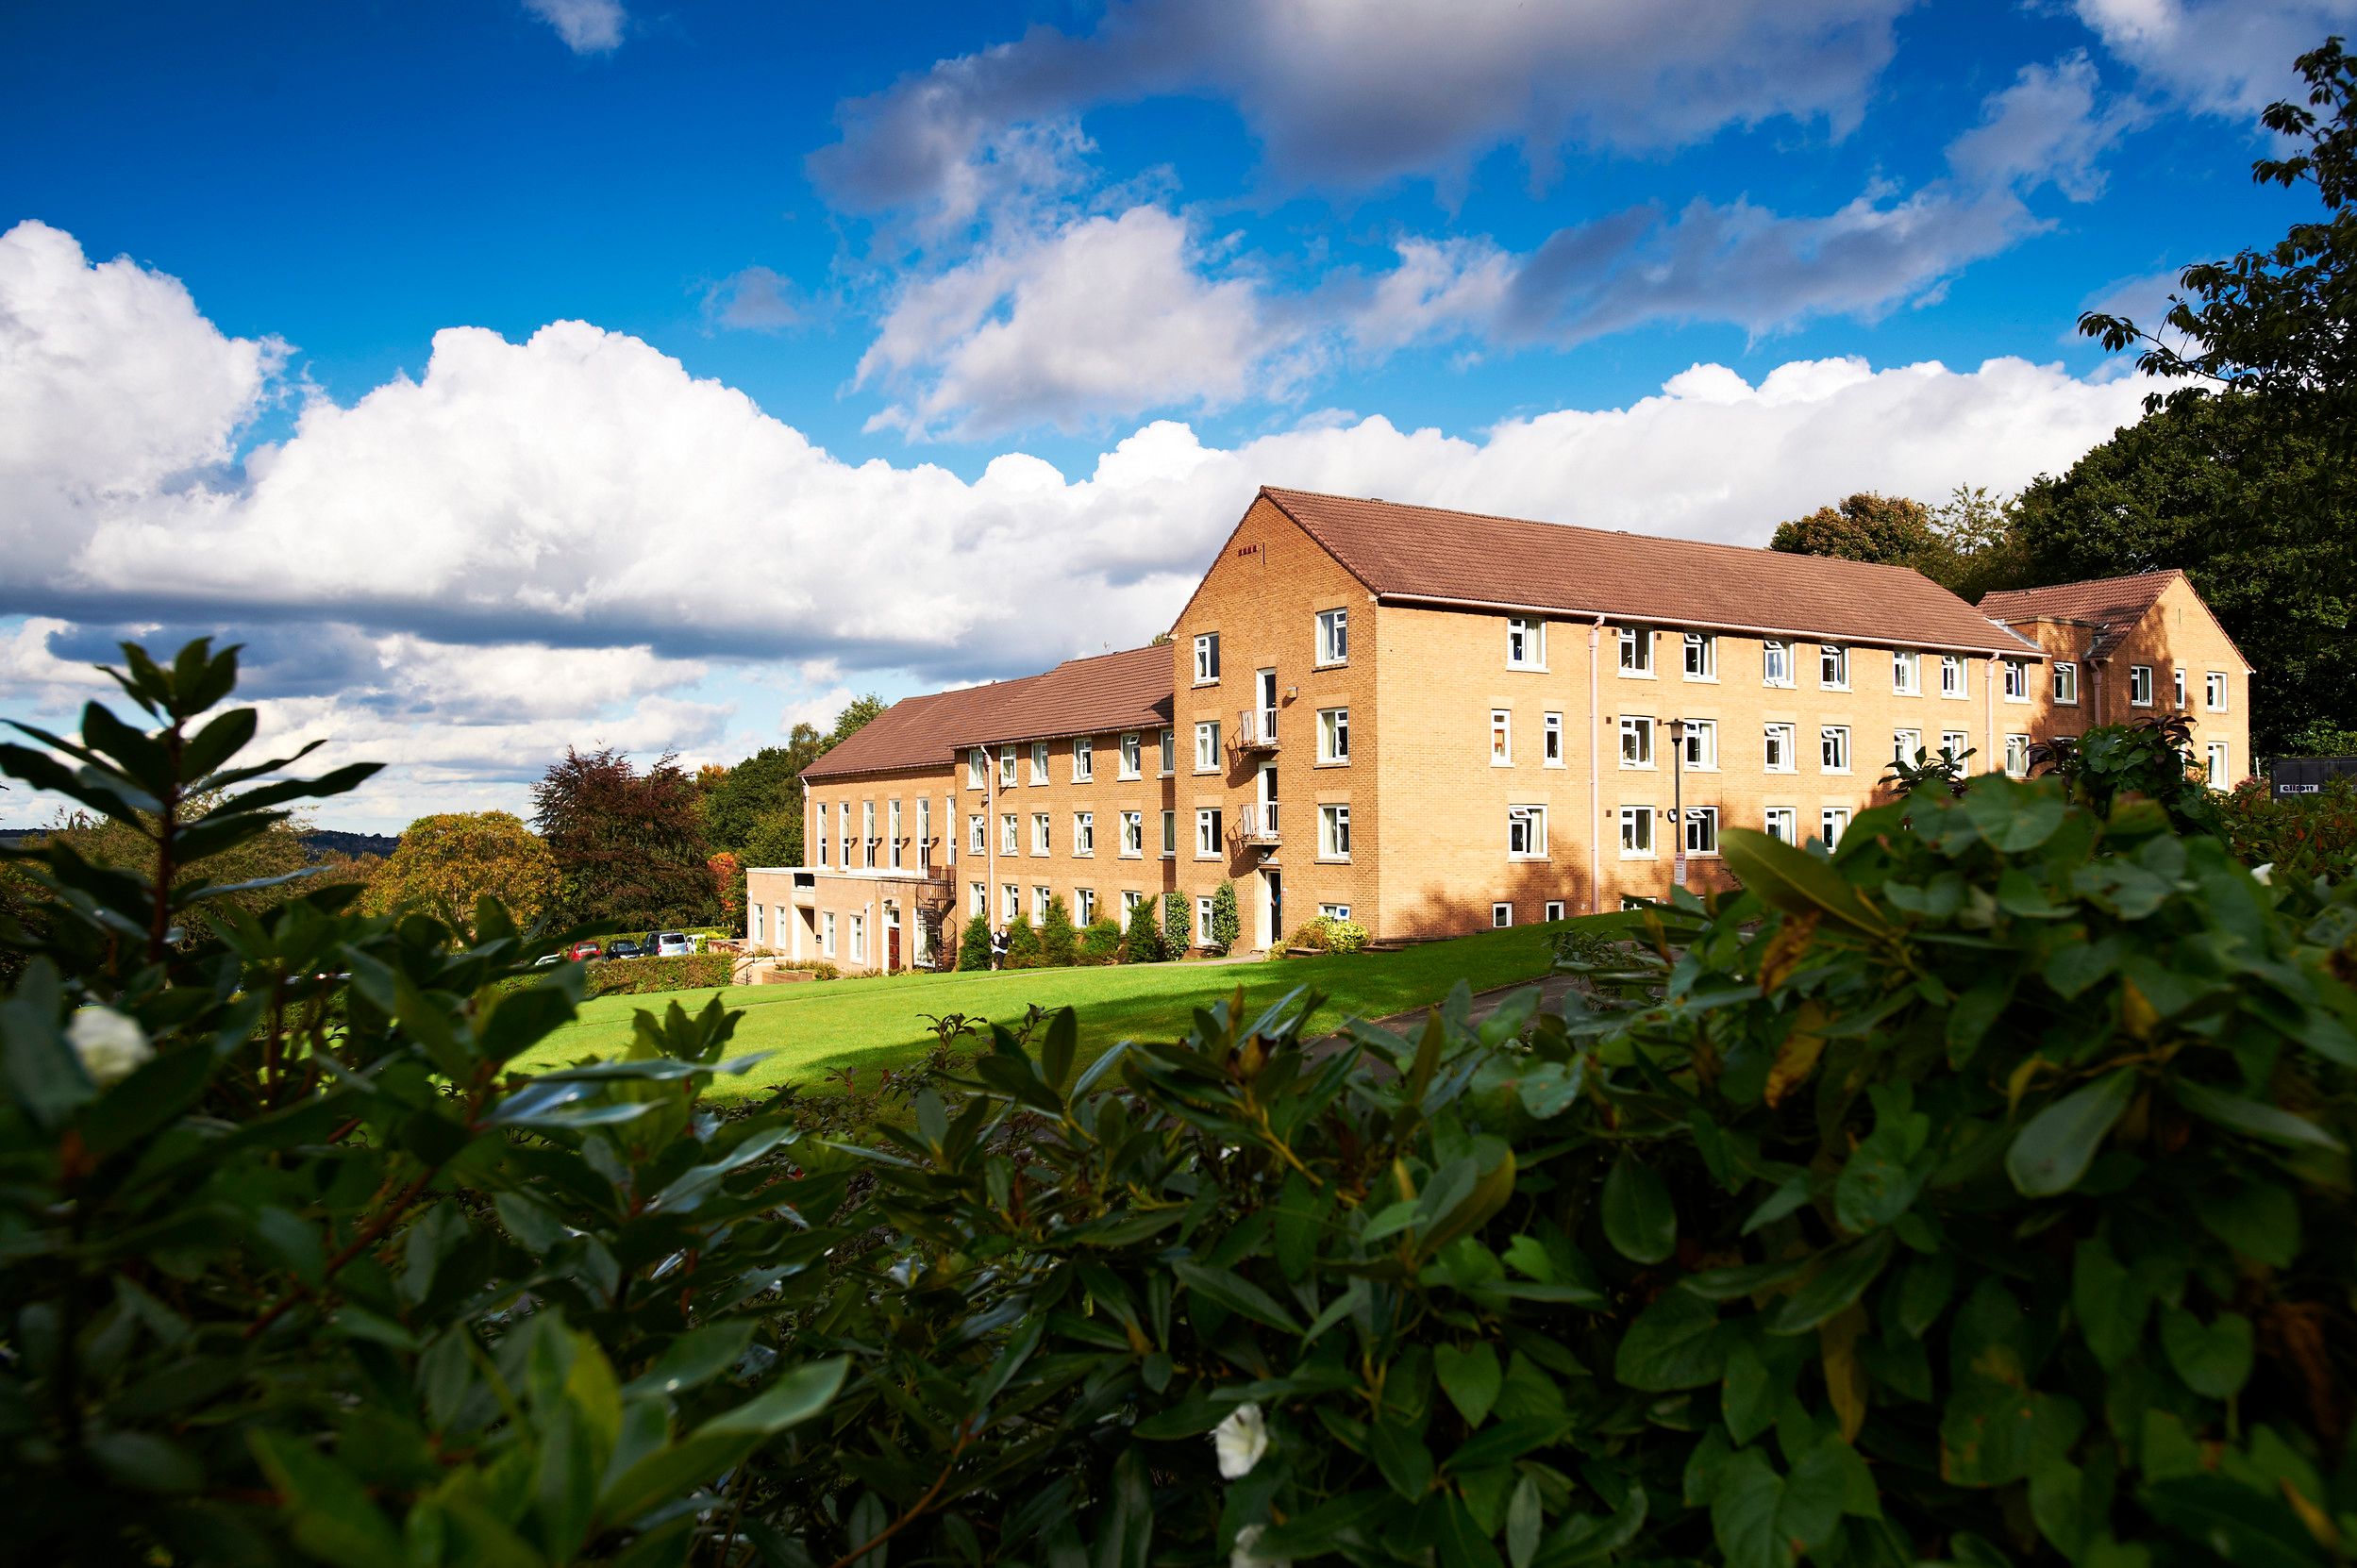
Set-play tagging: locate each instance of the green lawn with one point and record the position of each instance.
(817, 1027)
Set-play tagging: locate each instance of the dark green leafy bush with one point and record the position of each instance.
(2151, 757)
(974, 947)
(2299, 837)
(1174, 924)
(1100, 942)
(1226, 925)
(1143, 941)
(1059, 943)
(1022, 943)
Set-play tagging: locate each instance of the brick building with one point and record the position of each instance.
(1431, 721)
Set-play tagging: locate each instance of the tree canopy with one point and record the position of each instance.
(628, 845)
(1964, 544)
(448, 861)
(754, 809)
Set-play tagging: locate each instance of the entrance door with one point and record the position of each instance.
(892, 942)
(1276, 908)
(1264, 684)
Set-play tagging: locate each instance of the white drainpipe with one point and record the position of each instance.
(1596, 803)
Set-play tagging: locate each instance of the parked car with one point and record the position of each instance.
(547, 959)
(670, 945)
(582, 951)
(622, 947)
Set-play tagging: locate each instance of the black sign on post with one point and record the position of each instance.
(2305, 776)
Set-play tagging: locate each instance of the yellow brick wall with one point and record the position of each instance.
(1106, 872)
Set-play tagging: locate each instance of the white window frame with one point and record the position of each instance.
(2176, 682)
(1170, 833)
(1210, 841)
(827, 933)
(1770, 738)
(1039, 761)
(1698, 751)
(1637, 838)
(1531, 821)
(2218, 765)
(2140, 678)
(1906, 673)
(1084, 760)
(1638, 725)
(1834, 657)
(1333, 736)
(1207, 658)
(859, 939)
(1010, 902)
(2066, 683)
(1772, 653)
(1169, 743)
(1133, 755)
(2018, 755)
(1084, 907)
(1551, 750)
(2016, 680)
(1700, 822)
(1333, 831)
(2214, 690)
(1501, 736)
(1963, 744)
(1501, 916)
(977, 834)
(1007, 765)
(1554, 909)
(1905, 743)
(1207, 746)
(1203, 921)
(1010, 833)
(1042, 833)
(1333, 637)
(1954, 664)
(1526, 643)
(1133, 833)
(1782, 822)
(1084, 833)
(1701, 657)
(1832, 823)
(1834, 743)
(1333, 911)
(979, 899)
(976, 767)
(1636, 652)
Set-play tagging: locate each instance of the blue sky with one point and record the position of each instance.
(939, 344)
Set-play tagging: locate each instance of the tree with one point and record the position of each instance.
(628, 845)
(1100, 942)
(1058, 942)
(857, 715)
(755, 808)
(448, 861)
(1965, 544)
(1022, 943)
(2258, 512)
(1143, 943)
(974, 947)
(128, 844)
(1226, 925)
(1173, 923)
(728, 887)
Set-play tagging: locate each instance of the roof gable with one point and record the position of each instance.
(2113, 605)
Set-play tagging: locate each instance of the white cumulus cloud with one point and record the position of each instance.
(587, 26)
(2230, 58)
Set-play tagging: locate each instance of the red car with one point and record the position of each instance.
(582, 952)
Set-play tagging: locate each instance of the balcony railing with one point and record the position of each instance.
(1256, 729)
(1257, 822)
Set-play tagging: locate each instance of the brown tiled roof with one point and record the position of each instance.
(1131, 690)
(2113, 604)
(1408, 552)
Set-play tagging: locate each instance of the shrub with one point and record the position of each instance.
(1143, 941)
(1225, 924)
(646, 976)
(1101, 942)
(1345, 935)
(1058, 942)
(2301, 836)
(974, 947)
(2152, 757)
(1022, 943)
(1311, 934)
(1175, 934)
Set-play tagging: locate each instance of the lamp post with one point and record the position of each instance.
(1677, 802)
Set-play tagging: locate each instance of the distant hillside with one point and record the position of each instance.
(327, 841)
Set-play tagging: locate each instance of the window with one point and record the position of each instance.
(1084, 760)
(1834, 748)
(977, 834)
(1834, 667)
(2016, 680)
(1636, 650)
(822, 834)
(1905, 743)
(1501, 916)
(1009, 836)
(2140, 685)
(1501, 738)
(1333, 735)
(1170, 832)
(1526, 832)
(827, 933)
(1334, 636)
(1525, 644)
(2066, 684)
(2213, 691)
(1010, 902)
(1554, 755)
(1043, 834)
(1784, 824)
(2221, 777)
(1701, 825)
(2017, 755)
(1207, 837)
(842, 842)
(1207, 747)
(1776, 664)
(979, 900)
(754, 931)
(1084, 832)
(976, 767)
(1203, 922)
(1333, 911)
(1636, 742)
(1133, 833)
(859, 939)
(1006, 767)
(1133, 755)
(1334, 832)
(1206, 658)
(1701, 656)
(1038, 905)
(1554, 909)
(925, 822)
(1084, 907)
(1777, 746)
(1039, 761)
(1170, 750)
(1951, 675)
(1832, 824)
(1636, 832)
(1131, 899)
(867, 830)
(1954, 744)
(1699, 749)
(1907, 674)
(893, 808)
(2177, 679)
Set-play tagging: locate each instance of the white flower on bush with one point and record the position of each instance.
(110, 1045)
(1245, 1553)
(1241, 1440)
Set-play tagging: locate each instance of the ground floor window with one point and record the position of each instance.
(754, 930)
(2017, 755)
(1202, 923)
(1038, 905)
(1131, 899)
(827, 933)
(1554, 908)
(2222, 775)
(1501, 916)
(1086, 912)
(1784, 824)
(1333, 911)
(859, 939)
(1832, 824)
